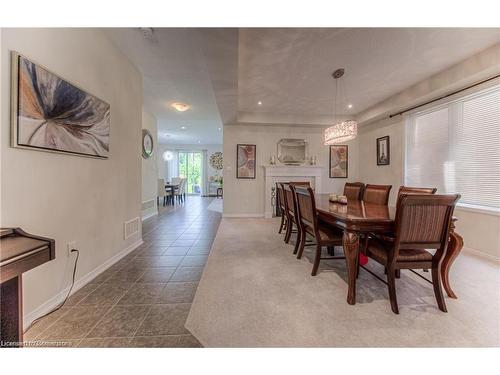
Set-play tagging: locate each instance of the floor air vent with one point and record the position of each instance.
(131, 227)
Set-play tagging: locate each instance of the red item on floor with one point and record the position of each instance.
(363, 259)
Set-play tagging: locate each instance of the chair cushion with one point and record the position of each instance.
(327, 235)
(379, 250)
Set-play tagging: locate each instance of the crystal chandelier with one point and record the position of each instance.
(341, 131)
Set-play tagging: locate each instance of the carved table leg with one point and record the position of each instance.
(454, 247)
(350, 242)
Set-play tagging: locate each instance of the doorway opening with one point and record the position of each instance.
(190, 164)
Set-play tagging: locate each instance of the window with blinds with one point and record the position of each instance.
(456, 148)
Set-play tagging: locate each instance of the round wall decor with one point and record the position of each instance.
(147, 144)
(216, 160)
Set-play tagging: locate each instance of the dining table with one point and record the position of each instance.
(357, 219)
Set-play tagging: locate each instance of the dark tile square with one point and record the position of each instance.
(187, 274)
(157, 275)
(141, 294)
(120, 321)
(165, 320)
(194, 261)
(75, 324)
(178, 292)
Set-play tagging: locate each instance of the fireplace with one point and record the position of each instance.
(288, 173)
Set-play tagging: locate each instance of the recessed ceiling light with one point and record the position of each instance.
(183, 127)
(349, 106)
(259, 103)
(199, 141)
(219, 129)
(180, 107)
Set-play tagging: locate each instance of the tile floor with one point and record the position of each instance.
(144, 299)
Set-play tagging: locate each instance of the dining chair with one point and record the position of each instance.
(407, 190)
(354, 190)
(300, 183)
(280, 202)
(415, 190)
(309, 224)
(180, 193)
(422, 223)
(378, 194)
(291, 212)
(162, 192)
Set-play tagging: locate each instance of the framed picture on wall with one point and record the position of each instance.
(245, 160)
(51, 114)
(339, 161)
(383, 151)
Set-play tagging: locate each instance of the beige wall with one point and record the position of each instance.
(150, 169)
(246, 197)
(481, 231)
(66, 197)
(369, 171)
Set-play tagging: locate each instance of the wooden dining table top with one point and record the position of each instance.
(356, 215)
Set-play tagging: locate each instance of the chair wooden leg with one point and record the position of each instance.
(282, 223)
(302, 244)
(297, 241)
(398, 273)
(288, 232)
(331, 250)
(317, 258)
(436, 283)
(391, 283)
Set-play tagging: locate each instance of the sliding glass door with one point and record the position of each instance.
(191, 167)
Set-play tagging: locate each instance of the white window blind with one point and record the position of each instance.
(456, 148)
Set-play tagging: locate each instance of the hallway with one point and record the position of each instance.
(143, 300)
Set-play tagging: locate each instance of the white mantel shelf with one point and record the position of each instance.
(286, 173)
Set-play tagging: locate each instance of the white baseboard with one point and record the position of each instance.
(482, 254)
(243, 215)
(58, 298)
(147, 214)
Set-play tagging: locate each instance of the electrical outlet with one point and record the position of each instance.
(71, 245)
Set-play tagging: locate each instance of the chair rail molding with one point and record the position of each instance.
(287, 173)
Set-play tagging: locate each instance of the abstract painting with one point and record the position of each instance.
(339, 161)
(383, 151)
(246, 161)
(52, 114)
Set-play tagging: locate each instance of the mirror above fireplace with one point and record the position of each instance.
(292, 151)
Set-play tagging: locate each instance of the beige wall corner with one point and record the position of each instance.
(150, 169)
(67, 197)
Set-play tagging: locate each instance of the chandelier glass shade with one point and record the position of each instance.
(342, 131)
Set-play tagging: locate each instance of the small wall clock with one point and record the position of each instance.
(147, 144)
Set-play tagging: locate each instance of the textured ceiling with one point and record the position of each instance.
(224, 73)
(289, 70)
(174, 70)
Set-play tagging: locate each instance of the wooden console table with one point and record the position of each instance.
(19, 252)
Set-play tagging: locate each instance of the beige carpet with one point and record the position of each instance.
(255, 293)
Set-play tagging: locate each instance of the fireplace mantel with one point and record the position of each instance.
(286, 173)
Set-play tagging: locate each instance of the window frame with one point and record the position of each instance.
(409, 121)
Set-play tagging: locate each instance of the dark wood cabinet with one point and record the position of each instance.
(19, 252)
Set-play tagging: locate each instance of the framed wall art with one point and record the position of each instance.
(49, 113)
(245, 161)
(383, 151)
(339, 161)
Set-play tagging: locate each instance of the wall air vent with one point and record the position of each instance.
(131, 227)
